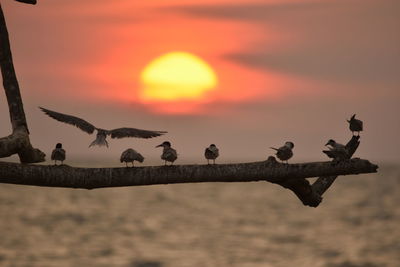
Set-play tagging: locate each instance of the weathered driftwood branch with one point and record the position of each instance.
(270, 170)
(18, 141)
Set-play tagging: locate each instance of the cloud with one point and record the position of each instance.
(343, 41)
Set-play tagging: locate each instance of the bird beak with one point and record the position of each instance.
(159, 145)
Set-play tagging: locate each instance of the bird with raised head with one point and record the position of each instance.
(169, 154)
(355, 125)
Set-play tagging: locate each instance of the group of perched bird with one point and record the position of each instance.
(169, 154)
(336, 150)
(130, 155)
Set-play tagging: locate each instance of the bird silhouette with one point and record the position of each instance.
(284, 153)
(355, 125)
(58, 154)
(101, 133)
(169, 154)
(211, 152)
(130, 155)
(336, 150)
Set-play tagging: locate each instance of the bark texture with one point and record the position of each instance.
(18, 141)
(286, 175)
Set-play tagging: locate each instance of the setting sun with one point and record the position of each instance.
(177, 76)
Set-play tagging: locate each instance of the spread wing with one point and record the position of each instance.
(133, 132)
(80, 123)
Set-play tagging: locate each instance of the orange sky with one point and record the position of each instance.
(284, 68)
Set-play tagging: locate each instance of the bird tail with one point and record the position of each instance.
(99, 142)
(274, 148)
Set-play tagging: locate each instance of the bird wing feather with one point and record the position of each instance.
(133, 132)
(75, 121)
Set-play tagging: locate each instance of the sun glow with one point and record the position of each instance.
(177, 76)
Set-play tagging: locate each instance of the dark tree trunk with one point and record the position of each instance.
(20, 133)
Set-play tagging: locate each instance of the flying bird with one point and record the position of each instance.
(169, 154)
(355, 125)
(32, 2)
(130, 155)
(58, 154)
(101, 133)
(211, 152)
(336, 150)
(284, 153)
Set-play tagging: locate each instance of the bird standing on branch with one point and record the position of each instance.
(355, 125)
(130, 155)
(336, 150)
(211, 152)
(58, 154)
(284, 153)
(169, 154)
(101, 133)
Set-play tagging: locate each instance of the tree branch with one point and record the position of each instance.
(91, 178)
(18, 141)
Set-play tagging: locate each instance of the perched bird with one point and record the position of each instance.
(355, 125)
(169, 154)
(284, 152)
(58, 154)
(130, 155)
(336, 151)
(101, 133)
(211, 152)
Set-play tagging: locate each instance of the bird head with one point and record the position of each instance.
(289, 144)
(331, 142)
(352, 118)
(165, 144)
(59, 145)
(212, 145)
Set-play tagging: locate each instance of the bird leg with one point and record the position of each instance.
(214, 161)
